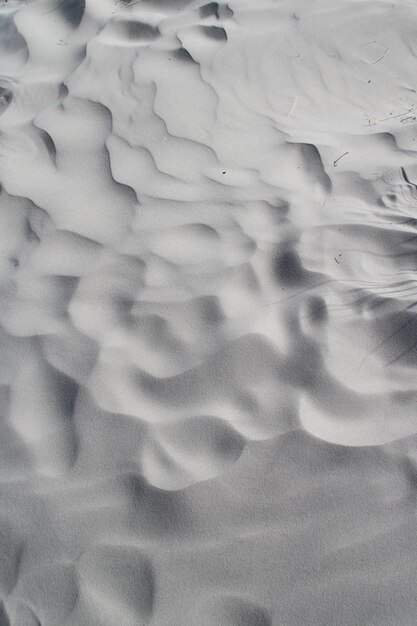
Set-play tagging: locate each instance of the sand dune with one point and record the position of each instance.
(207, 313)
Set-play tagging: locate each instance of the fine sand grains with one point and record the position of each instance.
(207, 313)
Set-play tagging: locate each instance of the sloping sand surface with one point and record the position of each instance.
(208, 331)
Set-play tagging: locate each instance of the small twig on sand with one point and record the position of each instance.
(392, 117)
(410, 118)
(338, 159)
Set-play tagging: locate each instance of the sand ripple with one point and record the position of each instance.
(207, 313)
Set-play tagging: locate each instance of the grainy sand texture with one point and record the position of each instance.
(208, 319)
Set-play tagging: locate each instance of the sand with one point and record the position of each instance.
(208, 331)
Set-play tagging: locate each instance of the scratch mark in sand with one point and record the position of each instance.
(55, 9)
(128, 6)
(367, 43)
(293, 107)
(381, 57)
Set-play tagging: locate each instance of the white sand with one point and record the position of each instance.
(207, 313)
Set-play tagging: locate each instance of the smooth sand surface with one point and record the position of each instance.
(208, 331)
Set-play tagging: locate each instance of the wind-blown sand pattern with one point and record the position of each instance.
(208, 313)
